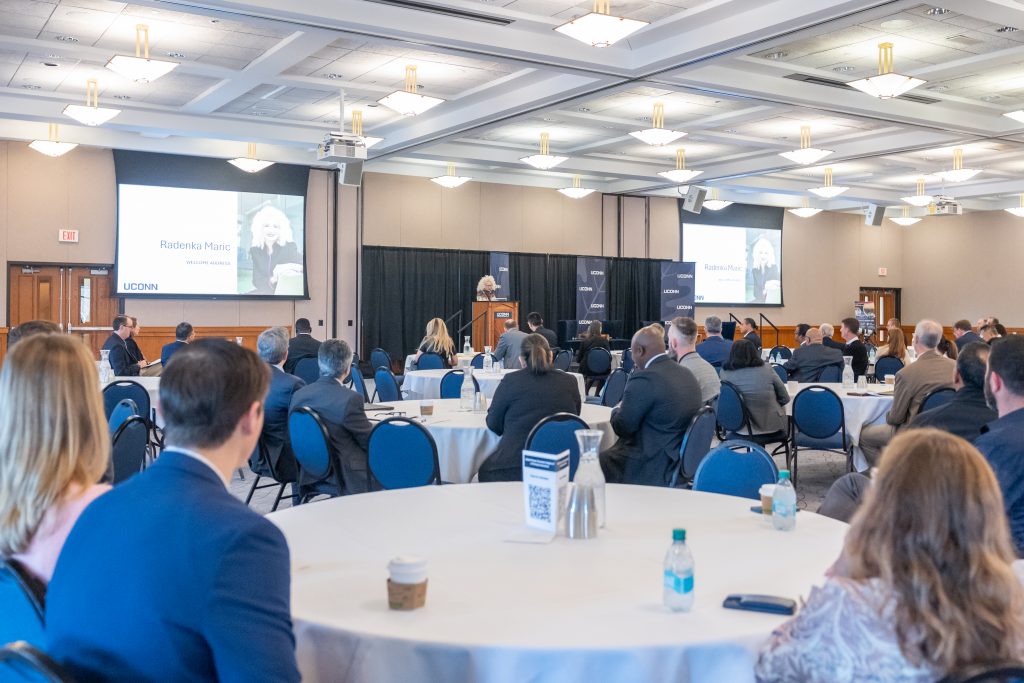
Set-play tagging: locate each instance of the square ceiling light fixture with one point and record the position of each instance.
(887, 84)
(543, 161)
(140, 68)
(408, 102)
(52, 147)
(806, 154)
(91, 114)
(680, 174)
(599, 28)
(657, 134)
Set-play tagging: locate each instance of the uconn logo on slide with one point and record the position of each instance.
(140, 287)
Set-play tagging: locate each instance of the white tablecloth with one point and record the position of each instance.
(464, 441)
(860, 411)
(571, 610)
(421, 384)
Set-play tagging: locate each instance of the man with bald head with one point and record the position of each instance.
(810, 359)
(929, 372)
(660, 399)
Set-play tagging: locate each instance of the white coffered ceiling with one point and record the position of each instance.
(738, 76)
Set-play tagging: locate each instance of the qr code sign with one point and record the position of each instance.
(540, 503)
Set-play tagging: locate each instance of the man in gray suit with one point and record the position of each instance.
(929, 372)
(810, 359)
(510, 345)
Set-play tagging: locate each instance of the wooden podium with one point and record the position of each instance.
(491, 323)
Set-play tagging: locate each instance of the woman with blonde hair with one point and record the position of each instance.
(437, 341)
(54, 447)
(897, 346)
(274, 254)
(924, 586)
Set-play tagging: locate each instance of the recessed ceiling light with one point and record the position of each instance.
(643, 118)
(30, 86)
(730, 130)
(331, 121)
(177, 55)
(843, 69)
(937, 11)
(50, 64)
(372, 104)
(776, 55)
(938, 88)
(609, 127)
(53, 55)
(66, 39)
(121, 97)
(1007, 29)
(584, 110)
(334, 76)
(547, 119)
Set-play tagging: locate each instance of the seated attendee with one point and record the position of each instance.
(808, 361)
(169, 576)
(343, 414)
(924, 586)
(929, 372)
(764, 393)
(120, 358)
(800, 334)
(660, 400)
(964, 334)
(1000, 329)
(510, 345)
(845, 496)
(1001, 441)
(749, 329)
(593, 338)
(896, 348)
(272, 346)
(967, 412)
(892, 325)
(183, 334)
(29, 328)
(54, 447)
(682, 335)
(302, 345)
(989, 333)
(536, 324)
(849, 330)
(826, 337)
(715, 348)
(523, 399)
(436, 340)
(146, 369)
(947, 348)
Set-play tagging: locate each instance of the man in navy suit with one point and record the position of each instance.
(279, 461)
(343, 414)
(169, 577)
(183, 334)
(120, 359)
(302, 345)
(964, 334)
(715, 349)
(749, 329)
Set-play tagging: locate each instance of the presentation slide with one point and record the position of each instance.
(182, 241)
(735, 265)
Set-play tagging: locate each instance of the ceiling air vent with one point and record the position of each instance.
(446, 11)
(818, 80)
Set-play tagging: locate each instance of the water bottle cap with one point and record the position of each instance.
(783, 474)
(679, 534)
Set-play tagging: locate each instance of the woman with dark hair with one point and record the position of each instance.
(522, 399)
(947, 348)
(593, 338)
(763, 391)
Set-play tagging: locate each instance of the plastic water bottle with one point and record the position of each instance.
(467, 348)
(488, 360)
(848, 380)
(466, 396)
(784, 504)
(677, 593)
(106, 372)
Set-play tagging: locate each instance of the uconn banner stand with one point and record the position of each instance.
(677, 289)
(591, 291)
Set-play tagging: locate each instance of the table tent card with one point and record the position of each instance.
(545, 481)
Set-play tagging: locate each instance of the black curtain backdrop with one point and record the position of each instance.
(404, 288)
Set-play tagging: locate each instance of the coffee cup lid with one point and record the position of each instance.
(767, 489)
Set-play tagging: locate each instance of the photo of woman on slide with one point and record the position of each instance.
(276, 260)
(764, 286)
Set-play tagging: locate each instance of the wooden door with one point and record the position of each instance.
(90, 304)
(34, 293)
(887, 305)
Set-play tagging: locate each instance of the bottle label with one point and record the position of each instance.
(678, 584)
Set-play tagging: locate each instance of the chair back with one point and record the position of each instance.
(387, 385)
(563, 360)
(128, 448)
(124, 409)
(779, 354)
(627, 360)
(358, 383)
(451, 384)
(781, 372)
(402, 454)
(818, 412)
(557, 433)
(115, 392)
(1006, 672)
(597, 362)
(22, 597)
(732, 414)
(887, 365)
(696, 444)
(310, 443)
(736, 468)
(22, 663)
(308, 369)
(380, 358)
(478, 361)
(830, 374)
(613, 388)
(430, 361)
(937, 398)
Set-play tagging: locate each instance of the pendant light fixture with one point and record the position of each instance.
(357, 129)
(805, 211)
(713, 203)
(906, 219)
(958, 173)
(408, 102)
(577, 191)
(543, 161)
(450, 180)
(680, 174)
(657, 134)
(1017, 211)
(91, 114)
(599, 28)
(140, 68)
(919, 199)
(249, 163)
(828, 190)
(887, 84)
(806, 154)
(52, 147)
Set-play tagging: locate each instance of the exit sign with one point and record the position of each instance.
(67, 236)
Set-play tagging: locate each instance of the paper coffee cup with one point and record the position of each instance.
(407, 582)
(890, 379)
(426, 408)
(767, 493)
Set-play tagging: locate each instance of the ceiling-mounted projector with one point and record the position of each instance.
(341, 148)
(947, 206)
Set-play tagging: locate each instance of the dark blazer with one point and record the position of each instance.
(263, 264)
(168, 350)
(347, 427)
(656, 408)
(715, 350)
(120, 360)
(809, 360)
(967, 338)
(585, 345)
(274, 437)
(134, 352)
(169, 577)
(549, 335)
(833, 344)
(1002, 446)
(964, 415)
(754, 338)
(859, 352)
(522, 400)
(300, 346)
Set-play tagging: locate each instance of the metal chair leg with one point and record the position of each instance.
(277, 501)
(252, 489)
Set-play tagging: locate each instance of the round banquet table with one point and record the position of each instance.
(570, 610)
(860, 411)
(427, 383)
(463, 439)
